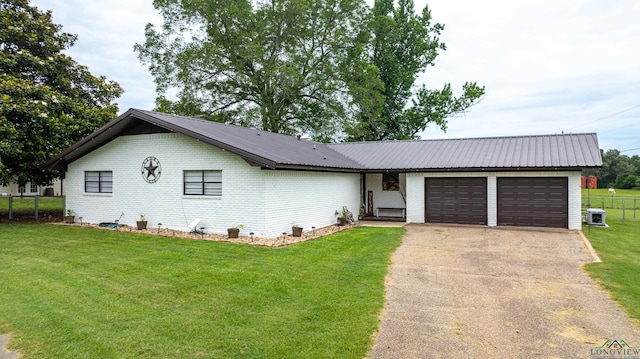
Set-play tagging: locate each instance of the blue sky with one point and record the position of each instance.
(549, 66)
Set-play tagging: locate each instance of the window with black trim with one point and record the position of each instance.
(203, 183)
(98, 181)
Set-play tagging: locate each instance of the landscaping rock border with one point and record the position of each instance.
(280, 241)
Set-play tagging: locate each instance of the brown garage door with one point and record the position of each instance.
(535, 201)
(456, 200)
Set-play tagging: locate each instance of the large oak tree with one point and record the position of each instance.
(278, 65)
(334, 69)
(47, 100)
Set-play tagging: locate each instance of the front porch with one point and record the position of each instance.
(384, 197)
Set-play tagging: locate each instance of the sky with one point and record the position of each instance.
(548, 66)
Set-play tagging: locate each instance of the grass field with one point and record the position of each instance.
(619, 248)
(69, 292)
(28, 203)
(24, 208)
(600, 198)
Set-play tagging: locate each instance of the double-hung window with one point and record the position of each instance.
(203, 183)
(98, 181)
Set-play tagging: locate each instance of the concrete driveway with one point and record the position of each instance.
(479, 292)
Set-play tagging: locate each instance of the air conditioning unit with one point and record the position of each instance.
(596, 217)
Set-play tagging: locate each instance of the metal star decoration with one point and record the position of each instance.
(151, 169)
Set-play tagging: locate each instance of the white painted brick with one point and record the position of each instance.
(308, 199)
(492, 200)
(266, 202)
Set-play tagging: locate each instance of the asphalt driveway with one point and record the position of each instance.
(480, 292)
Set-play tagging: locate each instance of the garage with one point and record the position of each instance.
(533, 201)
(460, 200)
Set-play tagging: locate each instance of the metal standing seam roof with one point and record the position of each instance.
(257, 147)
(517, 152)
(271, 150)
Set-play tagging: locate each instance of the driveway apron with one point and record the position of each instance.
(480, 292)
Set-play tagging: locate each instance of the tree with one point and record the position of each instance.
(47, 100)
(278, 65)
(618, 170)
(614, 164)
(403, 45)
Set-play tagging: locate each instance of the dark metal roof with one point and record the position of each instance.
(271, 150)
(563, 151)
(261, 148)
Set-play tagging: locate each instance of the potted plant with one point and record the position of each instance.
(342, 217)
(342, 220)
(142, 223)
(296, 231)
(70, 217)
(234, 232)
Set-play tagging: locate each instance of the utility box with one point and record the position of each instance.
(596, 217)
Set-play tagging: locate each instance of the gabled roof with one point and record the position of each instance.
(275, 151)
(565, 151)
(257, 147)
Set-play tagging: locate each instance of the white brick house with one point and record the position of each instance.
(175, 169)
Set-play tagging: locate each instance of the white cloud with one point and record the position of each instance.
(107, 32)
(548, 66)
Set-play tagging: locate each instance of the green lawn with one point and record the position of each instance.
(619, 272)
(69, 292)
(619, 248)
(600, 198)
(24, 208)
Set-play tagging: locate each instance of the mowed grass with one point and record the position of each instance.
(601, 198)
(28, 203)
(49, 208)
(69, 292)
(619, 248)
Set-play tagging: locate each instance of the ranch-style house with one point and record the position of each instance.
(176, 169)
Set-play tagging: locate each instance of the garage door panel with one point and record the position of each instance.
(456, 200)
(533, 201)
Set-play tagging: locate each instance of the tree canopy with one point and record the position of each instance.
(47, 100)
(618, 170)
(277, 65)
(403, 44)
(333, 69)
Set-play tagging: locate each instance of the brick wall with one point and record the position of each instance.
(308, 199)
(264, 201)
